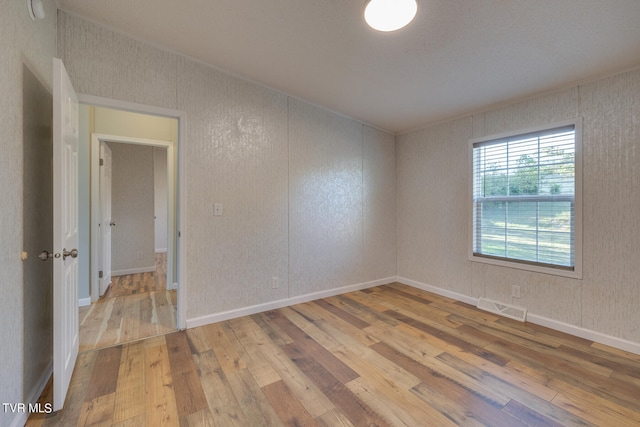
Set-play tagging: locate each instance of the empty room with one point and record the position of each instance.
(426, 222)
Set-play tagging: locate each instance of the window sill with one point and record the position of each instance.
(573, 274)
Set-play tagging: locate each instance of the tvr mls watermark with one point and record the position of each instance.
(30, 408)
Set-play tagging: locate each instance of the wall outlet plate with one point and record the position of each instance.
(515, 291)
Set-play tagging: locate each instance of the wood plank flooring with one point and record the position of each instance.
(386, 356)
(135, 306)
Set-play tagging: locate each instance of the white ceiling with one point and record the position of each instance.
(456, 57)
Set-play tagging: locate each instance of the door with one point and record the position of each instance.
(65, 232)
(106, 222)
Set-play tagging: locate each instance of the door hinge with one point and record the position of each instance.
(101, 162)
(100, 274)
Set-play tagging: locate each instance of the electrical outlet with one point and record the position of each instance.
(275, 282)
(217, 209)
(515, 291)
(139, 255)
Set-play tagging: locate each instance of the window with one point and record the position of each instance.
(526, 206)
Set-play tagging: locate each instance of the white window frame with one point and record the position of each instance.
(577, 268)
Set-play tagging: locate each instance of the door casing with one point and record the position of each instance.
(103, 169)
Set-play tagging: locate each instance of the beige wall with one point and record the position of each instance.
(245, 148)
(26, 51)
(433, 182)
(125, 123)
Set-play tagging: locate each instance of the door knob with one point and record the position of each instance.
(73, 253)
(45, 255)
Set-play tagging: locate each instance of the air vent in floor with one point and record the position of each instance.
(507, 310)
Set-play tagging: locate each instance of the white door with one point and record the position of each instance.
(65, 232)
(106, 222)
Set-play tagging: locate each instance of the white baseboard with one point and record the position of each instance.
(83, 302)
(259, 308)
(438, 291)
(133, 270)
(21, 418)
(161, 250)
(588, 334)
(619, 343)
(172, 286)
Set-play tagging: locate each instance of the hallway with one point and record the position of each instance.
(135, 306)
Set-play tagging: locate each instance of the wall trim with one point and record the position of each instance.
(588, 334)
(438, 291)
(161, 250)
(83, 302)
(133, 271)
(259, 308)
(21, 418)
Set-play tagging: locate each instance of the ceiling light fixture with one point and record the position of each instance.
(389, 15)
(36, 9)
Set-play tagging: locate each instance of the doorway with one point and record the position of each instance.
(141, 297)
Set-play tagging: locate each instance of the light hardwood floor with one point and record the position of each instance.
(135, 306)
(390, 355)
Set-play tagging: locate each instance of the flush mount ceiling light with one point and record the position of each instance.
(389, 15)
(36, 9)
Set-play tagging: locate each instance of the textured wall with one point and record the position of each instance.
(115, 66)
(26, 49)
(379, 204)
(432, 217)
(611, 290)
(237, 155)
(132, 207)
(295, 181)
(325, 190)
(433, 208)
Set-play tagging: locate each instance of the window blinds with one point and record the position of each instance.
(524, 198)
